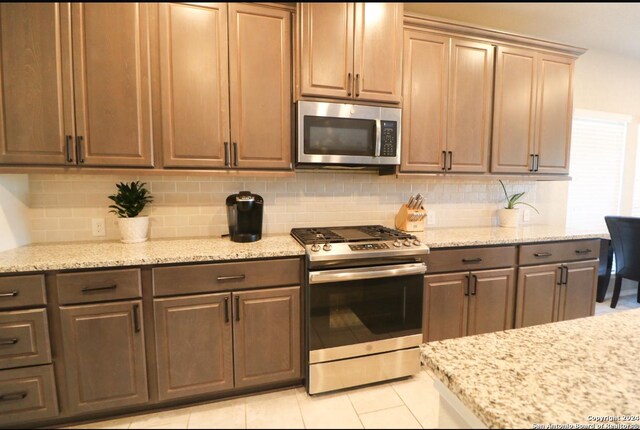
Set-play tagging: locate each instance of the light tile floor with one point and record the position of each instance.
(406, 403)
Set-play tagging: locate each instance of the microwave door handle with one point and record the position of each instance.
(378, 138)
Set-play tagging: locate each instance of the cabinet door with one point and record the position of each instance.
(104, 355)
(538, 295)
(578, 295)
(514, 110)
(193, 342)
(378, 52)
(326, 63)
(260, 79)
(491, 301)
(195, 84)
(424, 117)
(112, 83)
(469, 106)
(36, 110)
(555, 111)
(445, 311)
(266, 336)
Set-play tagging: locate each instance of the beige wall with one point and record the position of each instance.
(14, 211)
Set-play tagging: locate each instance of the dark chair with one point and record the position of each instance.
(625, 238)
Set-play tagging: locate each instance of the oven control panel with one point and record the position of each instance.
(368, 246)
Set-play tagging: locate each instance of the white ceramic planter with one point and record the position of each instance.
(134, 230)
(509, 217)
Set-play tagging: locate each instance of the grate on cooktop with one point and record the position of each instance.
(350, 234)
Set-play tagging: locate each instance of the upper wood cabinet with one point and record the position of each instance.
(36, 106)
(351, 51)
(533, 112)
(226, 86)
(447, 101)
(90, 106)
(195, 84)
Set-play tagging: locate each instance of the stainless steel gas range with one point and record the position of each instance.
(364, 289)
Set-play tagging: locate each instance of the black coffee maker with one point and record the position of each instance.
(244, 214)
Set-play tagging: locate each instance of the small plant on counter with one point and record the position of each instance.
(129, 201)
(510, 215)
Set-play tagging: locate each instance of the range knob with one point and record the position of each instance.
(417, 242)
(315, 247)
(397, 243)
(327, 247)
(406, 242)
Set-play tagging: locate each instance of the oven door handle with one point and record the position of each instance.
(367, 273)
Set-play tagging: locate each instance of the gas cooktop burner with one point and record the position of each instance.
(309, 236)
(362, 242)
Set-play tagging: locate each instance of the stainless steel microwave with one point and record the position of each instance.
(347, 135)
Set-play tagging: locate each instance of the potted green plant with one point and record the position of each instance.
(129, 201)
(510, 215)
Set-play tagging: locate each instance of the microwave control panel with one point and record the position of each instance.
(389, 139)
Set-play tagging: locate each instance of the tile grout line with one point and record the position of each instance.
(354, 410)
(304, 423)
(407, 406)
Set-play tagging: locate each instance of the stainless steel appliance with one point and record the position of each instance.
(337, 134)
(364, 290)
(244, 215)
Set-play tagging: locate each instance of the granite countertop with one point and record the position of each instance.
(559, 373)
(85, 255)
(479, 236)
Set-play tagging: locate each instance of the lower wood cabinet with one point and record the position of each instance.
(468, 303)
(266, 336)
(194, 345)
(214, 342)
(27, 394)
(556, 292)
(104, 355)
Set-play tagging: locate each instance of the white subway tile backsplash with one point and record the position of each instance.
(62, 205)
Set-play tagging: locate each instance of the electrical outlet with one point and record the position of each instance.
(97, 227)
(527, 215)
(431, 217)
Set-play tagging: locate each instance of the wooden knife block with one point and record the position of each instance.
(404, 215)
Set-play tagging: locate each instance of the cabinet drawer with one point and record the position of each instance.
(168, 281)
(455, 260)
(24, 338)
(22, 291)
(27, 394)
(556, 252)
(98, 286)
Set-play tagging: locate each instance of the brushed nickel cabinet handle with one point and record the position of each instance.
(11, 294)
(136, 318)
(107, 287)
(357, 84)
(9, 342)
(471, 260)
(79, 155)
(450, 160)
(13, 396)
(235, 153)
(444, 160)
(227, 159)
(537, 159)
(349, 84)
(230, 278)
(533, 163)
(69, 149)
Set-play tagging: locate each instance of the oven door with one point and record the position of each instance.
(355, 312)
(333, 133)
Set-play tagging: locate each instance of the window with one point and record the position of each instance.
(597, 161)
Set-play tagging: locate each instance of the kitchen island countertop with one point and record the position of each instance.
(86, 255)
(483, 236)
(559, 373)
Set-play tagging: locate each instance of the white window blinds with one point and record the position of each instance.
(597, 161)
